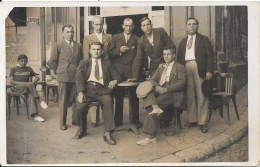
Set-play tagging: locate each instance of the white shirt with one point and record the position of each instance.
(190, 53)
(127, 35)
(167, 75)
(99, 36)
(68, 42)
(150, 39)
(92, 73)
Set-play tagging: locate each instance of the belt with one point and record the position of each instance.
(190, 61)
(94, 83)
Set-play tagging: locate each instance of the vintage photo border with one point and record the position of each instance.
(253, 70)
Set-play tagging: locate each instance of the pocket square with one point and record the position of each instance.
(133, 47)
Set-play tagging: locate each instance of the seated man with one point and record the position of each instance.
(20, 77)
(167, 85)
(95, 79)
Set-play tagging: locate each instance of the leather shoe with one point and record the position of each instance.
(63, 127)
(204, 128)
(80, 134)
(109, 139)
(169, 133)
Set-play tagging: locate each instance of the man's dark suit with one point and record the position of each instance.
(123, 65)
(160, 40)
(96, 92)
(197, 103)
(65, 63)
(174, 96)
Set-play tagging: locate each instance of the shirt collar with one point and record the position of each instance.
(94, 60)
(68, 42)
(19, 65)
(194, 36)
(171, 64)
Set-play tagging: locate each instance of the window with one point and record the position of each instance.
(154, 8)
(94, 11)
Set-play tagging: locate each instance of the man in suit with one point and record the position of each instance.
(196, 53)
(64, 60)
(151, 45)
(168, 84)
(122, 51)
(95, 80)
(97, 36)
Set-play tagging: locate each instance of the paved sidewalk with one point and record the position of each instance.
(30, 142)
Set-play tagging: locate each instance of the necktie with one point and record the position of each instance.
(164, 75)
(127, 38)
(71, 47)
(97, 70)
(190, 43)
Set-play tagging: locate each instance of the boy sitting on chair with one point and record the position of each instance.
(164, 89)
(20, 77)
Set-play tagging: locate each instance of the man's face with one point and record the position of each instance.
(22, 62)
(98, 25)
(95, 51)
(68, 33)
(192, 27)
(168, 56)
(128, 26)
(146, 26)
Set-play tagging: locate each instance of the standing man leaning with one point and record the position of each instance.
(97, 36)
(196, 53)
(122, 52)
(150, 44)
(64, 60)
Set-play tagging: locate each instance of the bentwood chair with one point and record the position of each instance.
(227, 91)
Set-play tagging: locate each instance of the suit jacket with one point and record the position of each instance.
(64, 62)
(144, 48)
(123, 63)
(84, 70)
(93, 38)
(176, 84)
(203, 53)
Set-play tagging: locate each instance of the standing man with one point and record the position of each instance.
(151, 45)
(64, 60)
(196, 53)
(122, 52)
(97, 36)
(95, 80)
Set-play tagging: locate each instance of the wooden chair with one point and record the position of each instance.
(227, 91)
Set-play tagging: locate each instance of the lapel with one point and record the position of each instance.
(66, 47)
(104, 70)
(156, 38)
(146, 43)
(197, 42)
(173, 71)
(89, 66)
(104, 38)
(122, 38)
(95, 38)
(184, 46)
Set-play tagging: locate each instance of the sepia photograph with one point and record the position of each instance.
(126, 84)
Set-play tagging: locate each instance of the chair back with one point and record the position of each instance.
(228, 83)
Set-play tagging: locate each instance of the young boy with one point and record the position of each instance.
(20, 77)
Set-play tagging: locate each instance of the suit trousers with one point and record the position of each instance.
(151, 122)
(67, 91)
(94, 93)
(197, 103)
(119, 93)
(32, 95)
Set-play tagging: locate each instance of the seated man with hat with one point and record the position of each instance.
(164, 89)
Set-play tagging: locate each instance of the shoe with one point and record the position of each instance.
(169, 133)
(43, 105)
(94, 125)
(80, 134)
(146, 141)
(191, 125)
(109, 139)
(39, 119)
(156, 111)
(204, 128)
(63, 127)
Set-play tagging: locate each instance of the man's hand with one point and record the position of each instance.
(112, 84)
(80, 97)
(131, 80)
(53, 74)
(160, 90)
(208, 75)
(123, 49)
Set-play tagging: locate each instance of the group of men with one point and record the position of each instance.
(90, 73)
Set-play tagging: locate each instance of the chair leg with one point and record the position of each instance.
(47, 94)
(17, 105)
(26, 105)
(235, 105)
(227, 105)
(176, 121)
(210, 111)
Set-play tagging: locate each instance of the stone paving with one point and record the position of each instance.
(30, 142)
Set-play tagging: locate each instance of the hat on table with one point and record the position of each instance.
(143, 89)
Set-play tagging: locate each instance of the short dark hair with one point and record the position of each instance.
(66, 25)
(172, 48)
(145, 18)
(126, 19)
(22, 56)
(192, 18)
(96, 43)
